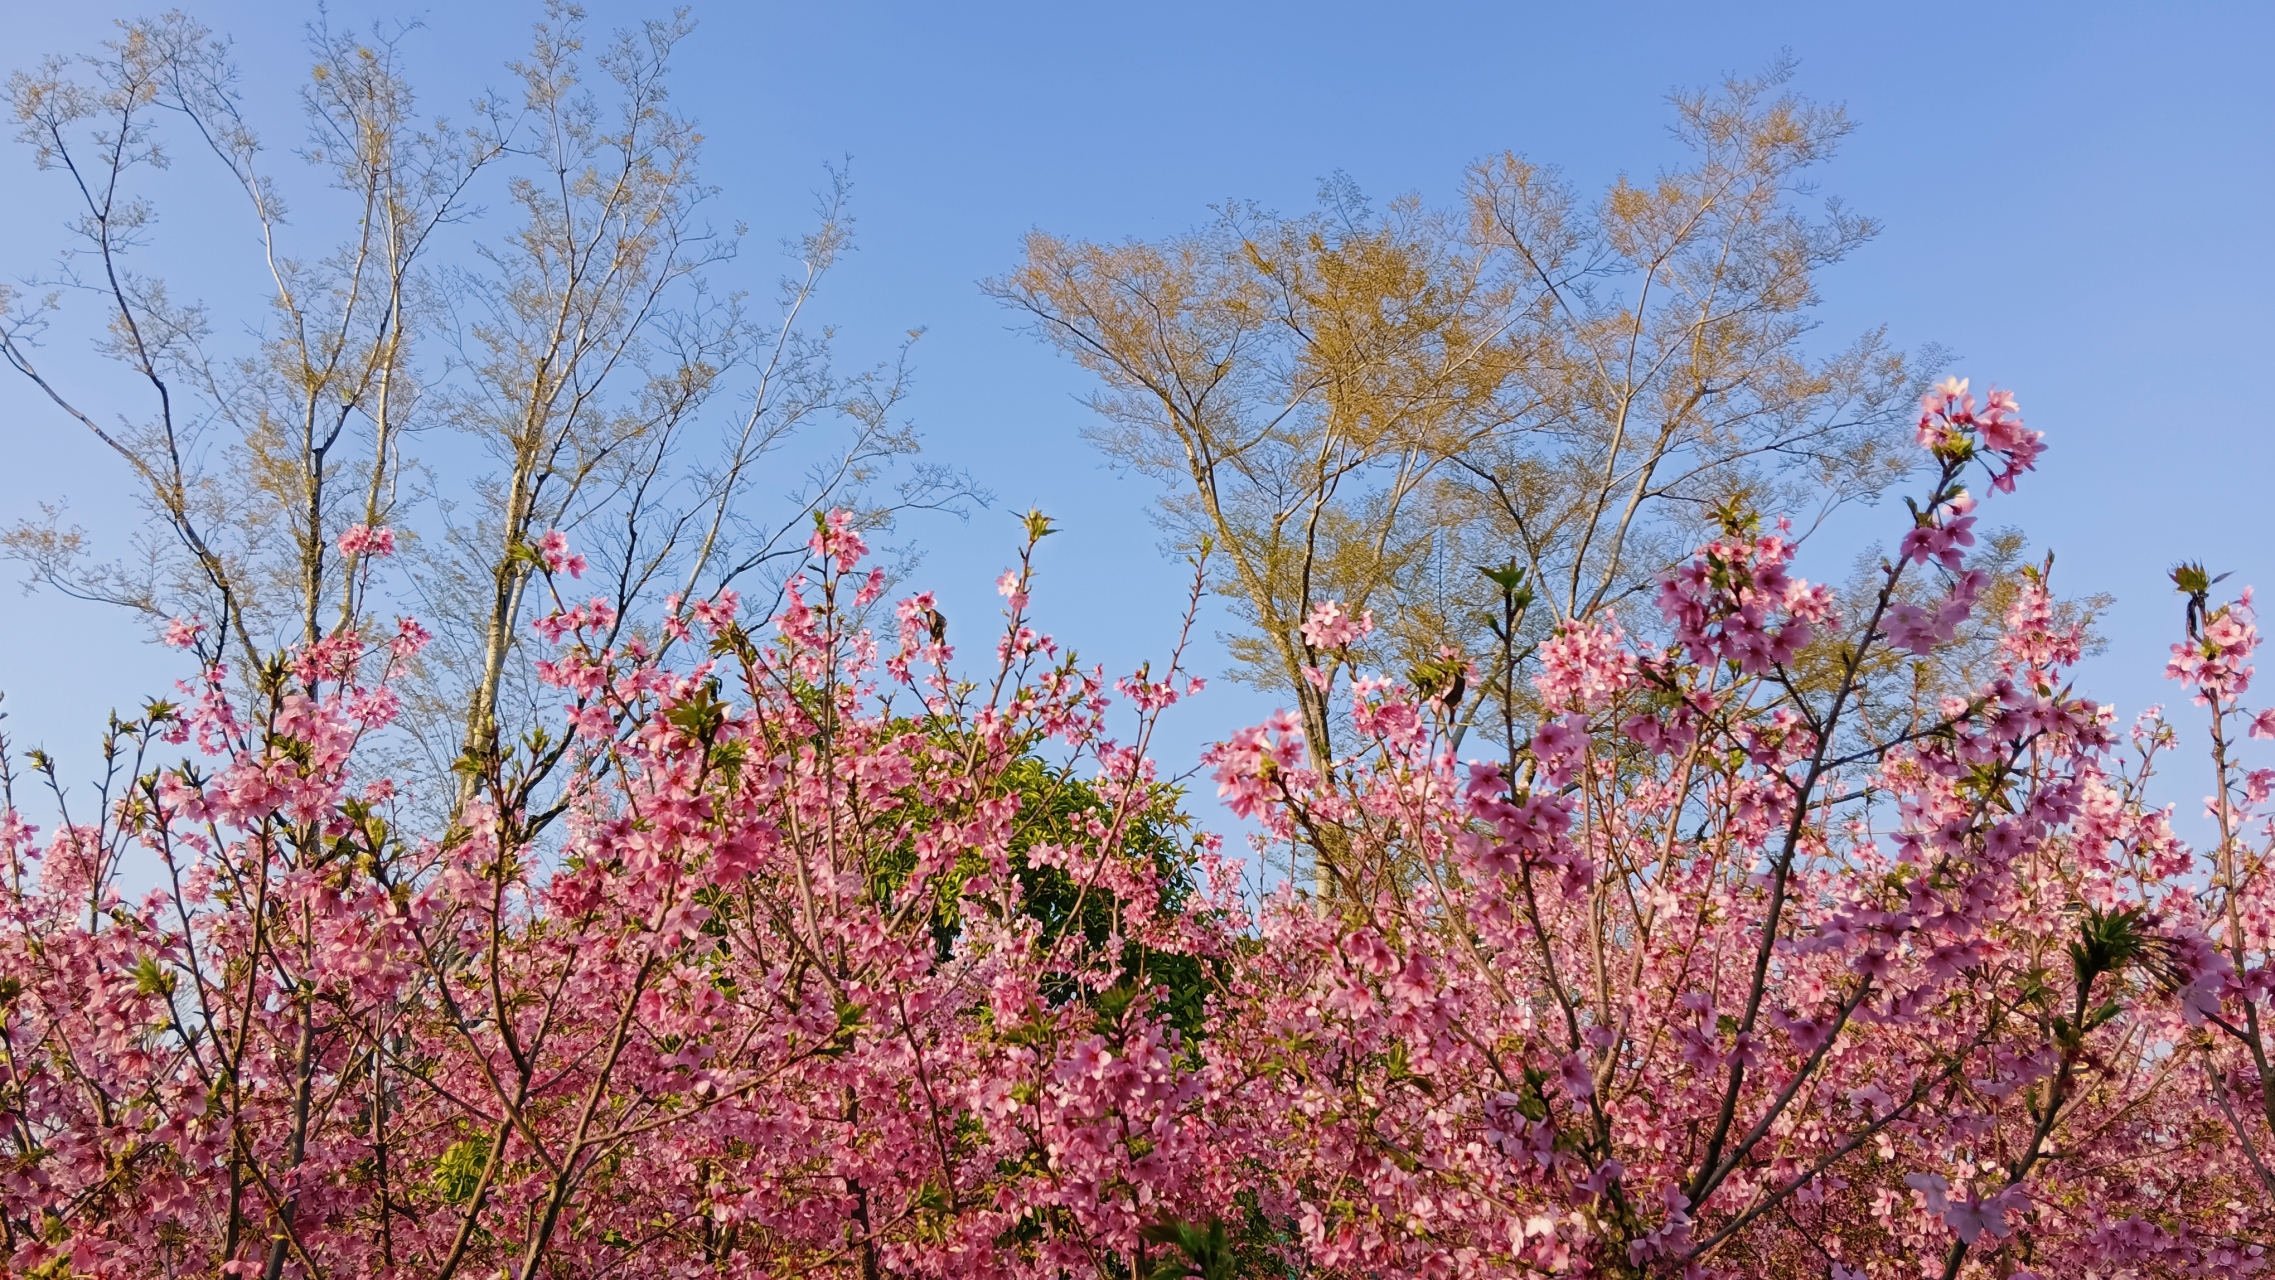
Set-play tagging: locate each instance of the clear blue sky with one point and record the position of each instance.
(2076, 200)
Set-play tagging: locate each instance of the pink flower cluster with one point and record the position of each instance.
(1331, 626)
(2217, 662)
(1585, 663)
(1950, 421)
(1734, 602)
(1920, 629)
(553, 552)
(836, 539)
(1254, 764)
(363, 540)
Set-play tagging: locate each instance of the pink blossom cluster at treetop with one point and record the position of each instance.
(831, 958)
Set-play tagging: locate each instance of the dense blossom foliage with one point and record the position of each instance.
(823, 960)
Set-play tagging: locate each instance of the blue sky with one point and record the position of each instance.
(2075, 200)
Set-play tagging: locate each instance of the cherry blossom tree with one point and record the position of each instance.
(836, 955)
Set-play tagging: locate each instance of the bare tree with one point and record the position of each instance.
(250, 462)
(1300, 385)
(577, 368)
(1671, 368)
(1372, 408)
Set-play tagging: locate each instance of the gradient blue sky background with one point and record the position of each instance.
(2075, 198)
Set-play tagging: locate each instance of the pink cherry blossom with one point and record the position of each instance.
(1585, 663)
(553, 552)
(1330, 626)
(364, 540)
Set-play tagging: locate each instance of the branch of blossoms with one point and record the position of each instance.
(1547, 1007)
(2236, 907)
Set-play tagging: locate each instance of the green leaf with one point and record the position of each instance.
(1206, 1252)
(151, 978)
(460, 1169)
